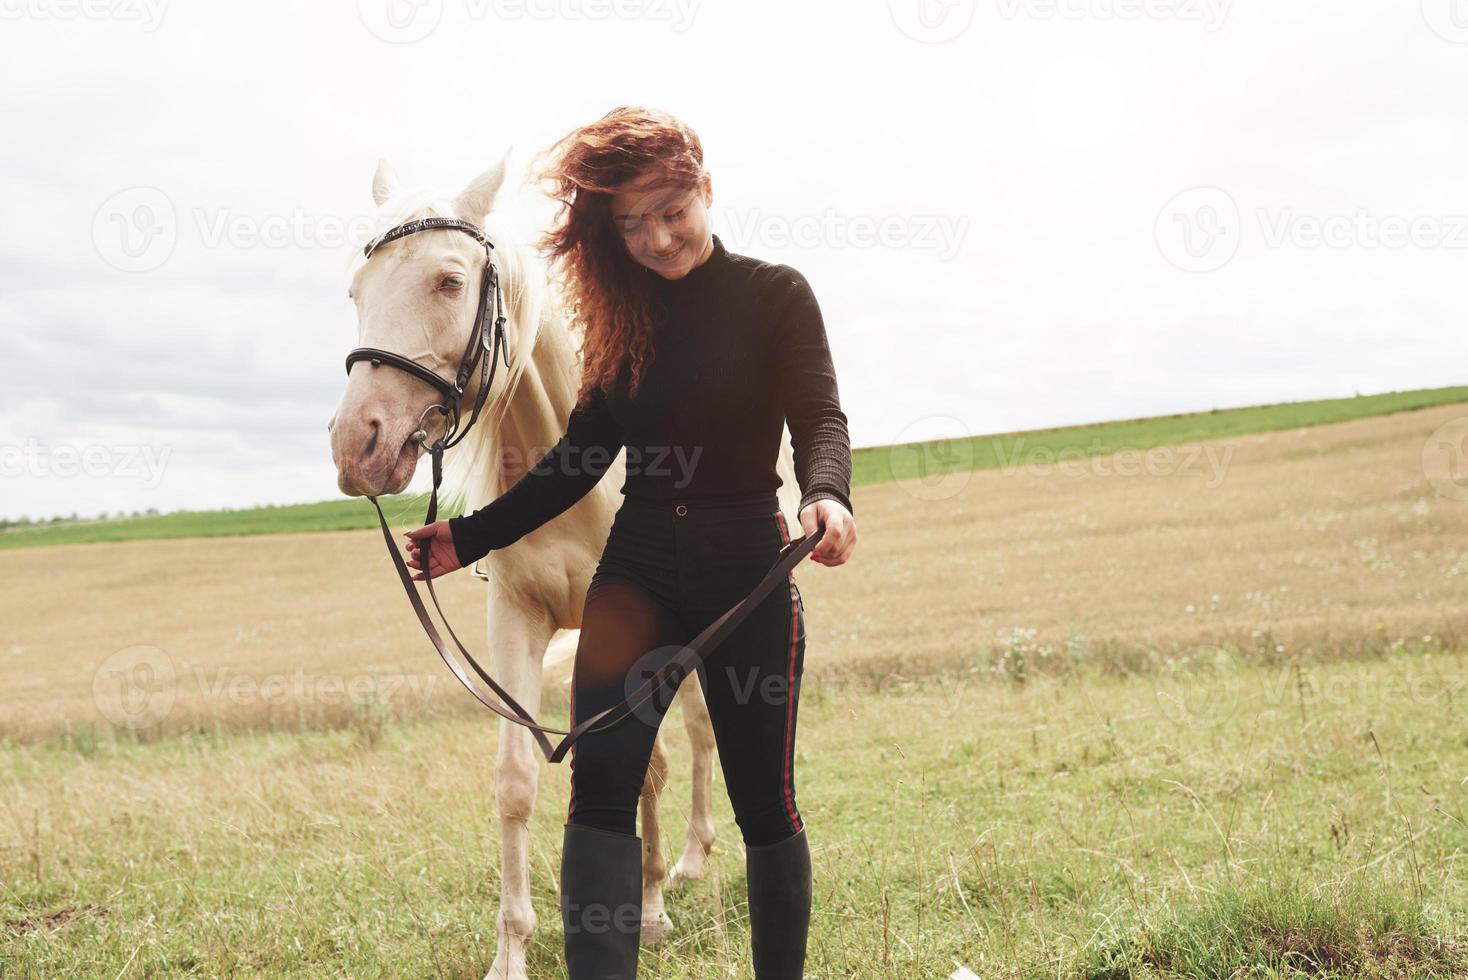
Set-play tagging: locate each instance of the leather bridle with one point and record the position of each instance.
(488, 338)
(482, 340)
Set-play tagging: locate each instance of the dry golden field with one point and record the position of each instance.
(1288, 546)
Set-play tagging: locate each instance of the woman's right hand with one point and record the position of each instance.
(437, 541)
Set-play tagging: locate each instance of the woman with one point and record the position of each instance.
(693, 358)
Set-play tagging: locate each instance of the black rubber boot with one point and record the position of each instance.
(778, 877)
(601, 902)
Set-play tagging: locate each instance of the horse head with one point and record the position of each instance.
(419, 297)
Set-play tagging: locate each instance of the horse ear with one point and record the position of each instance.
(384, 183)
(477, 199)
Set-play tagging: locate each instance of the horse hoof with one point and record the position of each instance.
(681, 876)
(501, 970)
(656, 929)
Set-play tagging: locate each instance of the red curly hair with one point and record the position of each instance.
(607, 291)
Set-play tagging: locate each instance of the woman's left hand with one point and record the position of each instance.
(435, 540)
(840, 537)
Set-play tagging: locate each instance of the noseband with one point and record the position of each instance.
(483, 341)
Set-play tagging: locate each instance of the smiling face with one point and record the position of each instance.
(664, 226)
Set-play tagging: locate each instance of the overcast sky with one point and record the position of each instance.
(1014, 213)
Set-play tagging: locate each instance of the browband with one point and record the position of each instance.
(425, 224)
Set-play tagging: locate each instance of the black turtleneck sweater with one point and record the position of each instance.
(738, 350)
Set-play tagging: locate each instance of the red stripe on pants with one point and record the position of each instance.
(789, 788)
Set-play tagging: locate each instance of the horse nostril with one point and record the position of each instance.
(371, 446)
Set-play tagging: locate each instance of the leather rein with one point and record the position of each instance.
(486, 347)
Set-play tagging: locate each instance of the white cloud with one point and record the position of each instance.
(1045, 137)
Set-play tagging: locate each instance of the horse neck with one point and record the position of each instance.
(535, 416)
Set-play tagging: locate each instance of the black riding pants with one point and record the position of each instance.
(667, 572)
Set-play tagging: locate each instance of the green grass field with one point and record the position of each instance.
(875, 464)
(1314, 828)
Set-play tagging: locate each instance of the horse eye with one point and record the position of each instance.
(451, 282)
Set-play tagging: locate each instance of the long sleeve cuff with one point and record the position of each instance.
(822, 493)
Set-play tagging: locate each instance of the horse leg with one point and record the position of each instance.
(690, 866)
(656, 926)
(515, 659)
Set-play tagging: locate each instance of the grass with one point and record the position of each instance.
(328, 515)
(929, 460)
(1052, 828)
(1278, 926)
(875, 464)
(1077, 722)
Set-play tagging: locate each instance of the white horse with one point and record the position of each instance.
(406, 304)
